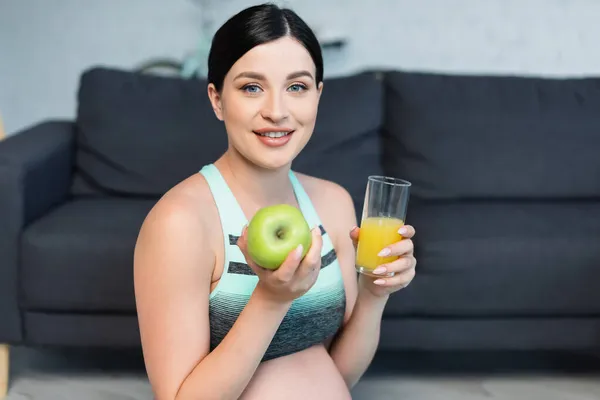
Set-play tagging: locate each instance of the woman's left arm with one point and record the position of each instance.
(353, 348)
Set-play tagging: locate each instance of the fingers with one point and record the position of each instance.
(400, 280)
(294, 261)
(287, 270)
(403, 247)
(354, 233)
(407, 231)
(400, 265)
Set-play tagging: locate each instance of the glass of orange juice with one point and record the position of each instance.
(384, 213)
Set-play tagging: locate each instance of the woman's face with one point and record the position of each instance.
(269, 102)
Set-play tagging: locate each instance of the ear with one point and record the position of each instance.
(320, 88)
(215, 100)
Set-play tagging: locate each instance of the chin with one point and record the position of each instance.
(273, 162)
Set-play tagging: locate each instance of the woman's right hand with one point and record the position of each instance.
(294, 277)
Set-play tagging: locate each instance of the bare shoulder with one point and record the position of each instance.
(186, 208)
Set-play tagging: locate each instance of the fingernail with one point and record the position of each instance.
(298, 252)
(402, 230)
(384, 252)
(379, 270)
(379, 281)
(353, 228)
(318, 231)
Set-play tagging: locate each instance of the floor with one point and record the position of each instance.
(53, 374)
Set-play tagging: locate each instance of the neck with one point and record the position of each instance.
(263, 186)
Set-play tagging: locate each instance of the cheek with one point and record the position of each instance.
(305, 111)
(237, 112)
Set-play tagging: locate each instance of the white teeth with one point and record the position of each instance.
(274, 134)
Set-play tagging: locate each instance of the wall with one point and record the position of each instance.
(44, 45)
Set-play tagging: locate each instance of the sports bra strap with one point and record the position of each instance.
(231, 214)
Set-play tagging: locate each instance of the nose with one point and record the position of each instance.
(275, 107)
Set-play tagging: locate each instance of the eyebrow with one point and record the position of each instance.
(261, 77)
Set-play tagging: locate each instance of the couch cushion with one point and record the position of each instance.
(346, 144)
(504, 259)
(80, 256)
(141, 134)
(493, 137)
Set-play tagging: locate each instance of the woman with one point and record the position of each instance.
(215, 325)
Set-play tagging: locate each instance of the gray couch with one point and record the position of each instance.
(505, 198)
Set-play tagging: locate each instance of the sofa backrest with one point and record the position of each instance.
(138, 135)
(452, 136)
(492, 137)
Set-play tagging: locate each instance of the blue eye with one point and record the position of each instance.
(297, 87)
(251, 88)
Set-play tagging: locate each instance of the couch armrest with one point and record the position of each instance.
(35, 175)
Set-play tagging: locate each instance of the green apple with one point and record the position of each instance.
(274, 231)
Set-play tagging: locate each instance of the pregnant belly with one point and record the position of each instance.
(309, 374)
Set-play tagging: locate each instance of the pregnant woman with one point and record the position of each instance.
(214, 325)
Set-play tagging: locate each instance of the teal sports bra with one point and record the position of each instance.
(312, 318)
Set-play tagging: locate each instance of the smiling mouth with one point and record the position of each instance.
(274, 135)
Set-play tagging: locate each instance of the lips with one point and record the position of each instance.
(274, 137)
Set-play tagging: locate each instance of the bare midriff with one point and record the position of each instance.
(308, 374)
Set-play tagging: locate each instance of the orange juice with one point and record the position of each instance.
(375, 234)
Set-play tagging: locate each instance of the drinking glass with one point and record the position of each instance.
(384, 213)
